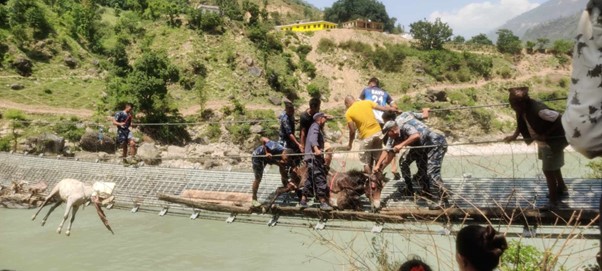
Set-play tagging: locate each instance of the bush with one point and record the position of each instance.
(326, 45)
(389, 58)
(303, 50)
(520, 257)
(308, 68)
(596, 166)
(214, 132)
(5, 143)
(313, 91)
(239, 132)
(359, 47)
(69, 131)
(212, 23)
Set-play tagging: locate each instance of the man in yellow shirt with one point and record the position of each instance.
(360, 116)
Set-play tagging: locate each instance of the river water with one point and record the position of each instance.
(146, 241)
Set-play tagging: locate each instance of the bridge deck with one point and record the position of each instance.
(140, 186)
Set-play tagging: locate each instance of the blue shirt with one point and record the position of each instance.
(122, 116)
(287, 128)
(380, 97)
(274, 147)
(314, 138)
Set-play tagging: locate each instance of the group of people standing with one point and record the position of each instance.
(297, 156)
(403, 132)
(373, 117)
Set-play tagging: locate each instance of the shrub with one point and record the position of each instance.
(5, 143)
(239, 132)
(214, 132)
(69, 131)
(326, 45)
(303, 50)
(308, 68)
(313, 90)
(212, 23)
(363, 49)
(520, 257)
(596, 166)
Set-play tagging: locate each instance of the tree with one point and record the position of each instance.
(542, 44)
(346, 10)
(27, 13)
(230, 8)
(18, 120)
(431, 35)
(530, 46)
(508, 43)
(86, 24)
(253, 10)
(145, 86)
(481, 39)
(459, 39)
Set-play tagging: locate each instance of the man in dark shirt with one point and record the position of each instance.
(264, 155)
(306, 120)
(536, 122)
(316, 184)
(287, 128)
(125, 138)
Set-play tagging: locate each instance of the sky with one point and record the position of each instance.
(467, 18)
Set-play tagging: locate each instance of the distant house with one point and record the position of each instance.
(208, 8)
(364, 25)
(307, 26)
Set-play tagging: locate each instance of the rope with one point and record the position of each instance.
(256, 120)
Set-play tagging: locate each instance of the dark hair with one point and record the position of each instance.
(389, 115)
(314, 103)
(415, 264)
(481, 246)
(128, 104)
(374, 80)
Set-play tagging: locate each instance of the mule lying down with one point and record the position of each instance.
(346, 188)
(582, 119)
(76, 193)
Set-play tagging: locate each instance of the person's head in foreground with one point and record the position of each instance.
(479, 248)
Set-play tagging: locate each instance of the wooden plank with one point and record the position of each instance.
(398, 215)
(216, 196)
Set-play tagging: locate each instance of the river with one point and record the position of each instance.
(146, 241)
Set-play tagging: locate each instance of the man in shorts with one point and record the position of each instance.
(125, 138)
(536, 122)
(374, 93)
(359, 116)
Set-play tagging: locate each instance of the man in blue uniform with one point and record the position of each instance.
(125, 138)
(316, 184)
(265, 155)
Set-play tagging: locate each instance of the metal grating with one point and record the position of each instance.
(141, 185)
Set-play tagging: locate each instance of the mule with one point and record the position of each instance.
(75, 193)
(346, 189)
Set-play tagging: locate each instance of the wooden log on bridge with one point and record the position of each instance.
(285, 211)
(205, 205)
(399, 215)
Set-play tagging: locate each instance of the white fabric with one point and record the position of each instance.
(582, 119)
(103, 189)
(548, 115)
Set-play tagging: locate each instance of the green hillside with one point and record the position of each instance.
(174, 61)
